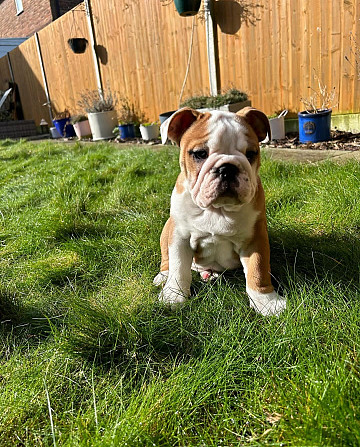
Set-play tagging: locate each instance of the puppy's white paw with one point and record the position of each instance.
(172, 296)
(266, 303)
(161, 278)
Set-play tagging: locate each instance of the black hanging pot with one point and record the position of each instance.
(187, 8)
(78, 44)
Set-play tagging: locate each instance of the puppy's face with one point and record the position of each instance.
(220, 155)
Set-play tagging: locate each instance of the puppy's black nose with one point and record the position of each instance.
(227, 171)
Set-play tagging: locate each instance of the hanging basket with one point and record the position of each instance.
(187, 8)
(78, 44)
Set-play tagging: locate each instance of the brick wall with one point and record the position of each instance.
(66, 5)
(35, 16)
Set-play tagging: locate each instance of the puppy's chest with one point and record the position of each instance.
(217, 240)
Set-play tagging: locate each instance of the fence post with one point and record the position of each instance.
(93, 50)
(211, 47)
(48, 102)
(10, 68)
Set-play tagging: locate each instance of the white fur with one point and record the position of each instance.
(266, 303)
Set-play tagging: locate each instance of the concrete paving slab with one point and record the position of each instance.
(310, 156)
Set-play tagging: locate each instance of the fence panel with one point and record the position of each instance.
(276, 47)
(27, 75)
(5, 76)
(270, 49)
(67, 73)
(147, 46)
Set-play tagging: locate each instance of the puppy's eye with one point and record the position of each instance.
(251, 155)
(199, 155)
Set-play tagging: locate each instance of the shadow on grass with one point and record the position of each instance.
(298, 256)
(23, 327)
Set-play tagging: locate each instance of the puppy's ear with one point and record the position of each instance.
(257, 120)
(175, 126)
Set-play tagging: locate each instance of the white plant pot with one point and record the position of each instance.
(82, 129)
(149, 132)
(102, 124)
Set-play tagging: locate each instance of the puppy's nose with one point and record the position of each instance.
(227, 171)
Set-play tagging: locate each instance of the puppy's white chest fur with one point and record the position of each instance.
(216, 235)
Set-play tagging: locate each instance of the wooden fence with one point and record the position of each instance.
(269, 48)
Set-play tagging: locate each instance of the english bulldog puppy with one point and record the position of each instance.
(217, 215)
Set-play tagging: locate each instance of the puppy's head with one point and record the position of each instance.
(220, 155)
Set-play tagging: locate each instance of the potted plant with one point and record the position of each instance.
(78, 44)
(165, 115)
(101, 112)
(149, 131)
(315, 120)
(230, 101)
(187, 8)
(81, 126)
(127, 118)
(63, 125)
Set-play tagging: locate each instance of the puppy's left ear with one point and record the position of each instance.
(178, 123)
(257, 120)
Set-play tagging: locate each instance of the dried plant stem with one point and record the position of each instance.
(321, 99)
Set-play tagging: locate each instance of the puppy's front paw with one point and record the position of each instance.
(172, 296)
(266, 303)
(161, 278)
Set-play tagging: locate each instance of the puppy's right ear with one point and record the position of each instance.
(176, 125)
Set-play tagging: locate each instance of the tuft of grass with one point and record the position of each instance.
(90, 357)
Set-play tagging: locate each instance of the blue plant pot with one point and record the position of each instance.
(314, 127)
(127, 131)
(64, 127)
(60, 125)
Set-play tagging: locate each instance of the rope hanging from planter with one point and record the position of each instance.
(189, 60)
(77, 44)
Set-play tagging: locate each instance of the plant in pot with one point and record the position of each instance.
(149, 131)
(230, 101)
(63, 125)
(78, 44)
(81, 126)
(100, 108)
(315, 120)
(127, 120)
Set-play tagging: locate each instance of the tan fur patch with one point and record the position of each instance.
(191, 140)
(179, 186)
(258, 259)
(166, 240)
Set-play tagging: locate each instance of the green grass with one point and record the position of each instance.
(88, 355)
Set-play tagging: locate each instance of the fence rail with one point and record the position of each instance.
(270, 49)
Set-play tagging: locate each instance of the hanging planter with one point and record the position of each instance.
(187, 8)
(78, 44)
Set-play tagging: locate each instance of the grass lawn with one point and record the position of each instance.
(90, 358)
